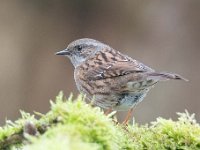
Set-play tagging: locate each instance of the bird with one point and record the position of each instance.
(111, 80)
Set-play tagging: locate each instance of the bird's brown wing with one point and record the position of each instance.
(111, 64)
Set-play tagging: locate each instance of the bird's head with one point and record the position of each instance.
(80, 50)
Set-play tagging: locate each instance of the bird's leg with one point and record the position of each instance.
(128, 116)
(108, 111)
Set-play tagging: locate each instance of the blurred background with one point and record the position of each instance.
(162, 34)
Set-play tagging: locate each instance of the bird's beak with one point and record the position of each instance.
(63, 52)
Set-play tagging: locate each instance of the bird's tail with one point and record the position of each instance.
(163, 76)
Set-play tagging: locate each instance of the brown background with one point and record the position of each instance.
(163, 34)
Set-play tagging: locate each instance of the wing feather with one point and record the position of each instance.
(113, 64)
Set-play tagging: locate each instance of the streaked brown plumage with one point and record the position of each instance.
(117, 81)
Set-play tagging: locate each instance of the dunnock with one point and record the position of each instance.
(116, 81)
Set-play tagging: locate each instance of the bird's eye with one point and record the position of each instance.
(79, 48)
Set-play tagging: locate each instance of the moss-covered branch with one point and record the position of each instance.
(75, 125)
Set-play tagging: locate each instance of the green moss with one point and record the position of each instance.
(74, 125)
(58, 139)
(168, 134)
